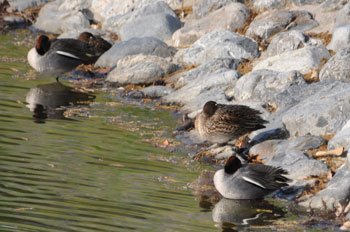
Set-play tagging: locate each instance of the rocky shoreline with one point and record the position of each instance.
(288, 59)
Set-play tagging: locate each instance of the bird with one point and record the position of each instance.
(219, 123)
(249, 181)
(98, 43)
(57, 56)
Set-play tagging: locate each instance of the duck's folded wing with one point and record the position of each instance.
(75, 49)
(264, 176)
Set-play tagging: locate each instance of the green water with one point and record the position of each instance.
(96, 169)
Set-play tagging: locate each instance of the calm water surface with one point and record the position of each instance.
(90, 167)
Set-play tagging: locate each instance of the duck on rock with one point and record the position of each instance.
(219, 123)
(249, 181)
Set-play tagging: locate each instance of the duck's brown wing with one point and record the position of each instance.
(265, 176)
(244, 117)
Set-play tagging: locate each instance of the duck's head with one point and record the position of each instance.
(42, 44)
(232, 165)
(85, 36)
(209, 108)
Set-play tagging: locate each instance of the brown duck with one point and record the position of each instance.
(98, 43)
(219, 123)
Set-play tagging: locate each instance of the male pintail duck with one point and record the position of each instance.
(57, 56)
(249, 181)
(219, 123)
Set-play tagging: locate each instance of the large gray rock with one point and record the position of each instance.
(21, 5)
(269, 24)
(337, 67)
(333, 5)
(146, 46)
(155, 19)
(161, 26)
(337, 190)
(105, 9)
(61, 16)
(298, 164)
(304, 60)
(340, 38)
(289, 41)
(260, 5)
(218, 44)
(263, 85)
(341, 139)
(204, 7)
(343, 16)
(140, 69)
(324, 112)
(235, 15)
(297, 93)
(219, 80)
(205, 69)
(305, 2)
(270, 148)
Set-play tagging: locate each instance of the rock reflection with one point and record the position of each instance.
(235, 213)
(46, 101)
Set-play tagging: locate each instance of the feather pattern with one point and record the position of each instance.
(221, 123)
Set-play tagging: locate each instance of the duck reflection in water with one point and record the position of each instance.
(232, 214)
(46, 101)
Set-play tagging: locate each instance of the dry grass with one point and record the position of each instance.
(325, 37)
(245, 67)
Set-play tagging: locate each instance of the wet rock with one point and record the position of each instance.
(270, 148)
(324, 112)
(304, 60)
(343, 16)
(140, 69)
(273, 130)
(215, 81)
(337, 67)
(145, 45)
(161, 26)
(60, 16)
(261, 5)
(218, 44)
(205, 69)
(289, 41)
(337, 190)
(21, 5)
(235, 15)
(268, 24)
(156, 19)
(340, 38)
(263, 85)
(298, 164)
(157, 91)
(341, 139)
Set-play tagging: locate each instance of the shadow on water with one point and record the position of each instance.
(48, 100)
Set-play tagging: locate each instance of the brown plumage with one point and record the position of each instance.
(219, 123)
(99, 44)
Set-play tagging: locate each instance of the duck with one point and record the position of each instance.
(219, 123)
(54, 57)
(249, 181)
(98, 43)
